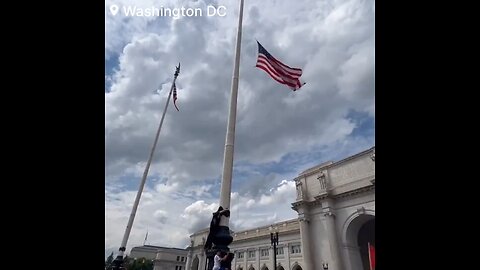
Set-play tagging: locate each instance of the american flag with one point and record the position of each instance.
(278, 70)
(371, 256)
(175, 96)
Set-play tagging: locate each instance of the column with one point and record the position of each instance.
(332, 239)
(189, 258)
(245, 256)
(305, 239)
(271, 253)
(202, 260)
(287, 256)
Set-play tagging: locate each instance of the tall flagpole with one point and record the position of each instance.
(118, 262)
(223, 237)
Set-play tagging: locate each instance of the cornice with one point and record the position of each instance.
(330, 164)
(354, 192)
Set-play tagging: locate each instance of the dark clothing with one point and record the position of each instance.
(227, 264)
(213, 228)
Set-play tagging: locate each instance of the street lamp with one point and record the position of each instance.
(325, 266)
(274, 242)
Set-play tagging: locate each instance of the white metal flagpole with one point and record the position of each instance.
(119, 260)
(230, 136)
(223, 237)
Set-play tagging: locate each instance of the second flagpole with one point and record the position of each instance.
(118, 262)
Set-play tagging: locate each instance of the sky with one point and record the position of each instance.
(279, 133)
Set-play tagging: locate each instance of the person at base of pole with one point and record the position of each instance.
(226, 263)
(217, 260)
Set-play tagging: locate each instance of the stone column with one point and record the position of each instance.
(305, 240)
(189, 258)
(336, 259)
(271, 253)
(287, 254)
(245, 256)
(201, 265)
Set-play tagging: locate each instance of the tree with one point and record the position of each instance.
(140, 264)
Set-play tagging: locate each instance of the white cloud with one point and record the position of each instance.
(333, 41)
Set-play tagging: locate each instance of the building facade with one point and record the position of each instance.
(253, 250)
(164, 258)
(336, 221)
(336, 210)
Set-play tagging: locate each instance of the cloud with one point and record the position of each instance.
(161, 216)
(198, 215)
(278, 133)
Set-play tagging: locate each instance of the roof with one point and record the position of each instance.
(150, 247)
(332, 163)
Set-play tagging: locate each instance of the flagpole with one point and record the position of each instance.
(144, 241)
(223, 237)
(118, 262)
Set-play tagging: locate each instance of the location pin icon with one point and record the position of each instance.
(114, 9)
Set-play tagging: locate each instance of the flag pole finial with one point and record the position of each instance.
(177, 70)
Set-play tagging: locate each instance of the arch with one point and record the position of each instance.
(365, 237)
(195, 263)
(296, 266)
(251, 267)
(280, 267)
(351, 218)
(239, 267)
(350, 237)
(264, 267)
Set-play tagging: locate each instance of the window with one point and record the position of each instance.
(295, 249)
(183, 258)
(279, 250)
(251, 254)
(178, 267)
(264, 253)
(240, 254)
(178, 258)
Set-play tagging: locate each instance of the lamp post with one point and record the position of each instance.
(274, 242)
(325, 266)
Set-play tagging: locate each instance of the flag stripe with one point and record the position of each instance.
(276, 77)
(277, 70)
(290, 69)
(371, 256)
(273, 73)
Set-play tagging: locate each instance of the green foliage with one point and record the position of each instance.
(139, 264)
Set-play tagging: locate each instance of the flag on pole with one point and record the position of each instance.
(278, 70)
(175, 96)
(371, 256)
(144, 241)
